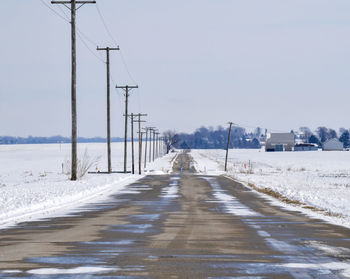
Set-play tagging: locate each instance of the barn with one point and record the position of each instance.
(333, 145)
(280, 142)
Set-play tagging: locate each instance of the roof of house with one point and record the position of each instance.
(281, 138)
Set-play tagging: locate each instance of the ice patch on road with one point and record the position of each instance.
(172, 190)
(329, 250)
(76, 270)
(343, 267)
(264, 234)
(230, 203)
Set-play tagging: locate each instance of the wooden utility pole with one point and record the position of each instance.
(133, 120)
(138, 120)
(146, 131)
(157, 144)
(145, 160)
(107, 49)
(126, 88)
(140, 150)
(132, 145)
(73, 8)
(154, 143)
(150, 143)
(228, 144)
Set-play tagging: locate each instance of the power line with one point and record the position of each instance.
(54, 11)
(118, 94)
(88, 48)
(126, 67)
(63, 12)
(81, 34)
(114, 41)
(105, 25)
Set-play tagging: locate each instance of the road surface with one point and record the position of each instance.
(181, 225)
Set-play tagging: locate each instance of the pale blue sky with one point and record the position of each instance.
(276, 64)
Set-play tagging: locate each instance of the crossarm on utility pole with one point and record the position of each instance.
(76, 2)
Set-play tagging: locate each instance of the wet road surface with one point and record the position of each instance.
(181, 225)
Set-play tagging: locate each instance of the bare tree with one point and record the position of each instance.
(170, 138)
(306, 132)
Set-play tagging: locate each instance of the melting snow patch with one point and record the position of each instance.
(330, 250)
(11, 271)
(343, 267)
(172, 190)
(264, 234)
(76, 270)
(231, 204)
(281, 245)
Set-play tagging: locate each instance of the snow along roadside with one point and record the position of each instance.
(329, 212)
(56, 196)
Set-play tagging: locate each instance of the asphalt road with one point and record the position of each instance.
(181, 225)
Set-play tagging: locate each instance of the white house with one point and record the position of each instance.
(333, 145)
(280, 142)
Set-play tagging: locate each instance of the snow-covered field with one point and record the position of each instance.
(34, 182)
(317, 179)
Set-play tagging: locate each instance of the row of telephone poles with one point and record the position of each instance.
(73, 6)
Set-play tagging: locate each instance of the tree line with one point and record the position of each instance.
(216, 138)
(53, 139)
(323, 134)
(210, 138)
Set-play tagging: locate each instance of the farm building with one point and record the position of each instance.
(333, 145)
(279, 142)
(306, 147)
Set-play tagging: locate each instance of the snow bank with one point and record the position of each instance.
(33, 182)
(318, 179)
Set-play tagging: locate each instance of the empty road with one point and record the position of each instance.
(181, 225)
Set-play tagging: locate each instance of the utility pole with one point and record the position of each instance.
(140, 137)
(146, 131)
(228, 144)
(107, 49)
(157, 144)
(154, 143)
(132, 144)
(140, 150)
(73, 8)
(151, 129)
(145, 160)
(133, 120)
(126, 88)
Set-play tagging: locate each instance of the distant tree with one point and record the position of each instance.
(314, 139)
(332, 134)
(255, 143)
(345, 138)
(257, 132)
(171, 138)
(306, 132)
(341, 131)
(322, 133)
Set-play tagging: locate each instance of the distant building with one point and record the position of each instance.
(279, 142)
(306, 147)
(333, 145)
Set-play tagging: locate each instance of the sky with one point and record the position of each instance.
(274, 64)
